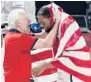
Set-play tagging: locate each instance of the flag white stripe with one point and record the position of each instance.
(78, 45)
(69, 32)
(34, 52)
(67, 62)
(77, 54)
(64, 16)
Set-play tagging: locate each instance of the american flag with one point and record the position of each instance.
(72, 54)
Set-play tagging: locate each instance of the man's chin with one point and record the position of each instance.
(48, 30)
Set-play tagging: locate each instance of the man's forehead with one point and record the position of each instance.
(40, 17)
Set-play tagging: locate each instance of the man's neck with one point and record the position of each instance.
(23, 31)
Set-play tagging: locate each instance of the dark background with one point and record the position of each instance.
(71, 7)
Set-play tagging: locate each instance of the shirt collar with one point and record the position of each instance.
(14, 30)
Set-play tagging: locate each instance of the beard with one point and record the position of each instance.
(48, 30)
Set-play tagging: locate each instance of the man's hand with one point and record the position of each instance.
(38, 70)
(42, 34)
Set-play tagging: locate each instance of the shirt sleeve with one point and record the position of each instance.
(27, 41)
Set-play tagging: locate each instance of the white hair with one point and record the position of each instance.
(13, 17)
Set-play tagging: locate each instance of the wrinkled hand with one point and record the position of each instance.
(38, 70)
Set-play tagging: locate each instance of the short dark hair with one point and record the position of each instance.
(44, 11)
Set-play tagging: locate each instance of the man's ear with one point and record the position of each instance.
(17, 23)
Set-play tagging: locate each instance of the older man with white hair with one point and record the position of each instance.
(18, 43)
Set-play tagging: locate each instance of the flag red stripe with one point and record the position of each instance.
(72, 72)
(65, 24)
(73, 39)
(79, 62)
(42, 56)
(84, 49)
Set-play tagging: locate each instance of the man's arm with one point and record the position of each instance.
(48, 41)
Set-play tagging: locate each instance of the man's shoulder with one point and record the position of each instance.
(12, 36)
(64, 15)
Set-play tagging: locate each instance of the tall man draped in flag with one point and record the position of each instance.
(71, 55)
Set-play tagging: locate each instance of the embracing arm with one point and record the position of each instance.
(48, 41)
